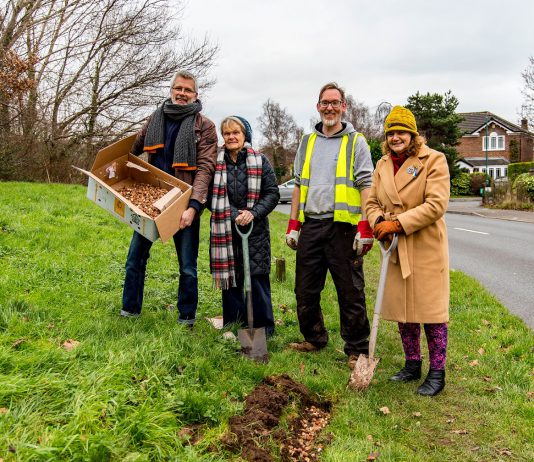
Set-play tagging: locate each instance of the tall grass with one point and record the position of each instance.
(131, 387)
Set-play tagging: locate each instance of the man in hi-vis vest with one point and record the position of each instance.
(327, 225)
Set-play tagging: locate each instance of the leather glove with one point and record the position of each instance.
(292, 233)
(363, 241)
(384, 230)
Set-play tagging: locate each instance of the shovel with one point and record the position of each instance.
(253, 341)
(364, 368)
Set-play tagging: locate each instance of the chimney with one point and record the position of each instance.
(524, 124)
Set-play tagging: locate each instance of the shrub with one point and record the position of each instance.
(375, 146)
(514, 170)
(461, 184)
(478, 180)
(514, 151)
(524, 186)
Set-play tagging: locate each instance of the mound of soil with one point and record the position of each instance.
(281, 419)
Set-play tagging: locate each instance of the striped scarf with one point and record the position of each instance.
(222, 261)
(185, 151)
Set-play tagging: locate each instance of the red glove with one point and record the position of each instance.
(292, 233)
(386, 228)
(363, 241)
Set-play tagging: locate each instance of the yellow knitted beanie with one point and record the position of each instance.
(400, 119)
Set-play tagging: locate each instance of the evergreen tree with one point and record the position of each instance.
(438, 122)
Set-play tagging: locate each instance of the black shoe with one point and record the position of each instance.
(433, 384)
(411, 371)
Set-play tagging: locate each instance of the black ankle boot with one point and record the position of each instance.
(411, 371)
(433, 384)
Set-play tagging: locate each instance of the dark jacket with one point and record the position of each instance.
(201, 178)
(259, 240)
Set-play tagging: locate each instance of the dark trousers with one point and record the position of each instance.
(325, 245)
(234, 304)
(186, 243)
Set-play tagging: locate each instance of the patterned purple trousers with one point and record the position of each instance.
(436, 336)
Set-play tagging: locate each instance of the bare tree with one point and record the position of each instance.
(359, 115)
(103, 65)
(528, 93)
(281, 136)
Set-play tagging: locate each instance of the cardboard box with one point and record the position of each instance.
(114, 168)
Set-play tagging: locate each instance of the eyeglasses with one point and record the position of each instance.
(335, 104)
(185, 90)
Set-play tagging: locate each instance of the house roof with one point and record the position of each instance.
(481, 161)
(474, 121)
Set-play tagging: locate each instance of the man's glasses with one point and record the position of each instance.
(335, 104)
(186, 90)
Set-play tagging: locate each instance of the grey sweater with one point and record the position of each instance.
(320, 199)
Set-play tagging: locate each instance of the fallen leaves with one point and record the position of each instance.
(493, 389)
(4, 410)
(416, 414)
(481, 351)
(460, 432)
(18, 342)
(373, 456)
(385, 410)
(474, 363)
(70, 344)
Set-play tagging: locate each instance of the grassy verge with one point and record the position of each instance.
(129, 388)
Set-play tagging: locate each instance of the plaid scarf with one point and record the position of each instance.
(222, 261)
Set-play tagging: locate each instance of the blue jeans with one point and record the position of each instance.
(186, 244)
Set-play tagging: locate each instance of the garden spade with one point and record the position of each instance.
(253, 340)
(364, 368)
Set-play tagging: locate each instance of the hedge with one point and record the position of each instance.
(516, 169)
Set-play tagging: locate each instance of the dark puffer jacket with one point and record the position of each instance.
(259, 241)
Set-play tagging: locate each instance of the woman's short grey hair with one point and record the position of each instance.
(228, 120)
(184, 75)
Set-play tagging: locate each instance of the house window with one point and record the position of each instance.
(475, 169)
(505, 171)
(493, 142)
(497, 172)
(491, 172)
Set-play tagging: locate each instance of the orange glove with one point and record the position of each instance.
(385, 229)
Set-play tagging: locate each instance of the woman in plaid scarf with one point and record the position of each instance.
(244, 191)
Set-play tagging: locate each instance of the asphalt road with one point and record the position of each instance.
(499, 254)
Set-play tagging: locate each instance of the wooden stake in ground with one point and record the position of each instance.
(364, 369)
(280, 269)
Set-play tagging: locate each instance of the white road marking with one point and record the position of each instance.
(471, 231)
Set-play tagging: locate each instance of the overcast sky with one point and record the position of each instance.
(378, 50)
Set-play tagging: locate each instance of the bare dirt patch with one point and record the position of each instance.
(282, 421)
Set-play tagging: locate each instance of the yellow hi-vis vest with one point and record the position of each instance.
(347, 200)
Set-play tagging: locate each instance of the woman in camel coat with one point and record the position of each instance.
(409, 197)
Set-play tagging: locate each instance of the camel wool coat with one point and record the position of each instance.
(417, 285)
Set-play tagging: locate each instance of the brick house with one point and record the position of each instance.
(505, 143)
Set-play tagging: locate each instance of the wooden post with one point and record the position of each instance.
(280, 269)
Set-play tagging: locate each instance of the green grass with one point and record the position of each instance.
(131, 386)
